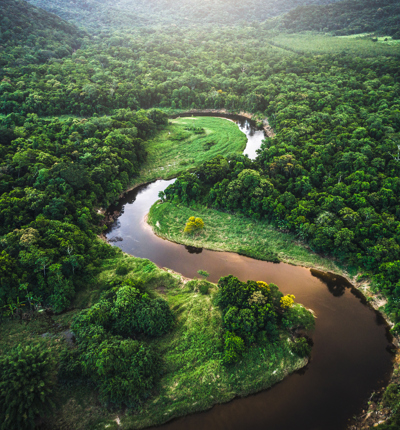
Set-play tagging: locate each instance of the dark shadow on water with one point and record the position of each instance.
(193, 249)
(336, 284)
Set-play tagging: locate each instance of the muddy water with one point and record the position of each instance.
(349, 358)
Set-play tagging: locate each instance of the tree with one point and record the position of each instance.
(27, 379)
(193, 225)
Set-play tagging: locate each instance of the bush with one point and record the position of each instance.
(233, 348)
(193, 224)
(124, 369)
(301, 347)
(122, 269)
(136, 313)
(204, 286)
(27, 378)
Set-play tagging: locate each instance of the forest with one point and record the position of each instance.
(86, 89)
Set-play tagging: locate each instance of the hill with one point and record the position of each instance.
(31, 35)
(346, 17)
(128, 13)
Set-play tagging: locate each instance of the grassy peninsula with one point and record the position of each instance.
(235, 233)
(185, 143)
(193, 375)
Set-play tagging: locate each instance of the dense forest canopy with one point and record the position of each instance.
(76, 112)
(30, 35)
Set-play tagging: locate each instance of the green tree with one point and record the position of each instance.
(27, 380)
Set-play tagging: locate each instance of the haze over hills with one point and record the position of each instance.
(346, 17)
(128, 13)
(32, 35)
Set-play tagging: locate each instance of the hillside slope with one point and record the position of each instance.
(124, 13)
(31, 35)
(346, 17)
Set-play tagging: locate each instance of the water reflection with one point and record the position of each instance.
(336, 284)
(193, 249)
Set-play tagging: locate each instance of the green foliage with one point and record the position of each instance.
(27, 379)
(345, 17)
(124, 369)
(253, 310)
(43, 35)
(301, 347)
(203, 273)
(234, 348)
(122, 269)
(204, 287)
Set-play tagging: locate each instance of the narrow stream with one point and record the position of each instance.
(349, 359)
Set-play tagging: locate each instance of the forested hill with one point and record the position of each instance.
(124, 13)
(346, 17)
(31, 35)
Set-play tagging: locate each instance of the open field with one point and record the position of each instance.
(235, 233)
(318, 43)
(178, 148)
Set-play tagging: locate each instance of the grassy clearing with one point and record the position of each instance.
(176, 149)
(317, 43)
(194, 378)
(235, 233)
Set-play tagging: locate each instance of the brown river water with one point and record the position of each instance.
(350, 357)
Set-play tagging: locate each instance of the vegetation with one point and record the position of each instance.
(180, 147)
(27, 380)
(316, 43)
(79, 115)
(30, 35)
(235, 233)
(128, 14)
(346, 17)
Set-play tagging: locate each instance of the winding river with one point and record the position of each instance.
(350, 357)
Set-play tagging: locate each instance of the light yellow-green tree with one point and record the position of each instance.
(193, 224)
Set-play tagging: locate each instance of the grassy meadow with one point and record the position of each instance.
(235, 233)
(178, 148)
(318, 43)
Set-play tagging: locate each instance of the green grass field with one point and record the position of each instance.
(193, 379)
(176, 149)
(235, 233)
(317, 43)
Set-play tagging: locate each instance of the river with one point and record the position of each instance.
(349, 359)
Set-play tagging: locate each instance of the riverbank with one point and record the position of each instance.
(186, 143)
(236, 233)
(193, 377)
(251, 116)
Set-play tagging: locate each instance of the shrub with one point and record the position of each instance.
(27, 378)
(122, 269)
(193, 224)
(233, 348)
(301, 347)
(136, 313)
(124, 369)
(287, 301)
(204, 286)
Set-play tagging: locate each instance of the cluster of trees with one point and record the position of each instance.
(30, 35)
(345, 17)
(28, 377)
(111, 344)
(256, 310)
(54, 174)
(331, 174)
